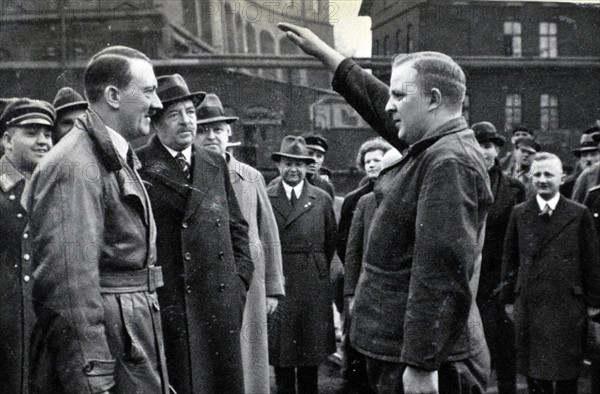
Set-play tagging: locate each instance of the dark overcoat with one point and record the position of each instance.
(93, 249)
(301, 328)
(16, 310)
(346, 214)
(202, 246)
(553, 268)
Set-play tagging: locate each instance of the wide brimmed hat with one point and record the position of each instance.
(26, 112)
(317, 142)
(294, 148)
(211, 110)
(67, 99)
(529, 144)
(586, 144)
(486, 132)
(172, 88)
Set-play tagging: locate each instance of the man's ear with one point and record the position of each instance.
(112, 96)
(7, 140)
(435, 99)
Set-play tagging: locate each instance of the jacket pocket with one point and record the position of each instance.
(132, 351)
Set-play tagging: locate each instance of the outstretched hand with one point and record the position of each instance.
(312, 45)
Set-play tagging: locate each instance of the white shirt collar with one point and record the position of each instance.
(120, 143)
(551, 203)
(187, 152)
(297, 189)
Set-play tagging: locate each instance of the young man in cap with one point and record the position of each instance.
(508, 192)
(587, 155)
(26, 128)
(69, 106)
(526, 149)
(202, 246)
(589, 177)
(509, 161)
(93, 247)
(551, 266)
(301, 333)
(266, 288)
(422, 257)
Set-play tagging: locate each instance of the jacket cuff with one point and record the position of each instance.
(100, 374)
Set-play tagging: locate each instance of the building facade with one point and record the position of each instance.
(533, 63)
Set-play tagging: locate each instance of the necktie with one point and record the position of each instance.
(293, 199)
(546, 212)
(185, 167)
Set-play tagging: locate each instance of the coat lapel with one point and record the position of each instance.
(304, 204)
(163, 168)
(279, 200)
(561, 217)
(203, 175)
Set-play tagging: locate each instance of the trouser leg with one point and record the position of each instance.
(285, 378)
(308, 380)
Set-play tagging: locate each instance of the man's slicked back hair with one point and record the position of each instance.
(437, 70)
(110, 66)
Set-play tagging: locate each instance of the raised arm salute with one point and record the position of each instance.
(415, 314)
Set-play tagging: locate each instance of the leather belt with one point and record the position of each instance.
(147, 279)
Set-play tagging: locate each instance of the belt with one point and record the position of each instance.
(147, 279)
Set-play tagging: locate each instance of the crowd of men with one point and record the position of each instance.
(175, 268)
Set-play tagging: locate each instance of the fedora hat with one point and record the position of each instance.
(172, 88)
(294, 148)
(211, 110)
(587, 143)
(67, 99)
(486, 132)
(27, 112)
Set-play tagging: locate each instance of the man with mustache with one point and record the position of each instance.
(414, 315)
(202, 247)
(26, 128)
(92, 237)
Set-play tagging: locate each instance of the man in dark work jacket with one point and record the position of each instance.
(424, 250)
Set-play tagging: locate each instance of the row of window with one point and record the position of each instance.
(404, 43)
(548, 39)
(513, 111)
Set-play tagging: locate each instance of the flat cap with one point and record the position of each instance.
(317, 142)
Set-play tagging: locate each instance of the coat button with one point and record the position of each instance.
(25, 235)
(222, 287)
(12, 197)
(19, 215)
(222, 255)
(218, 222)
(187, 256)
(26, 278)
(188, 289)
(184, 225)
(595, 214)
(26, 257)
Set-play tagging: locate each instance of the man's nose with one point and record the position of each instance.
(389, 106)
(155, 101)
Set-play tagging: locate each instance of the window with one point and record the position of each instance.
(385, 45)
(376, 48)
(230, 32)
(398, 41)
(466, 109)
(512, 39)
(513, 111)
(267, 46)
(409, 39)
(548, 112)
(548, 47)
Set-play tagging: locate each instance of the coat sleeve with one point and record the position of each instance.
(344, 230)
(330, 230)
(510, 261)
(66, 221)
(269, 237)
(368, 96)
(582, 186)
(354, 250)
(448, 231)
(238, 228)
(590, 258)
